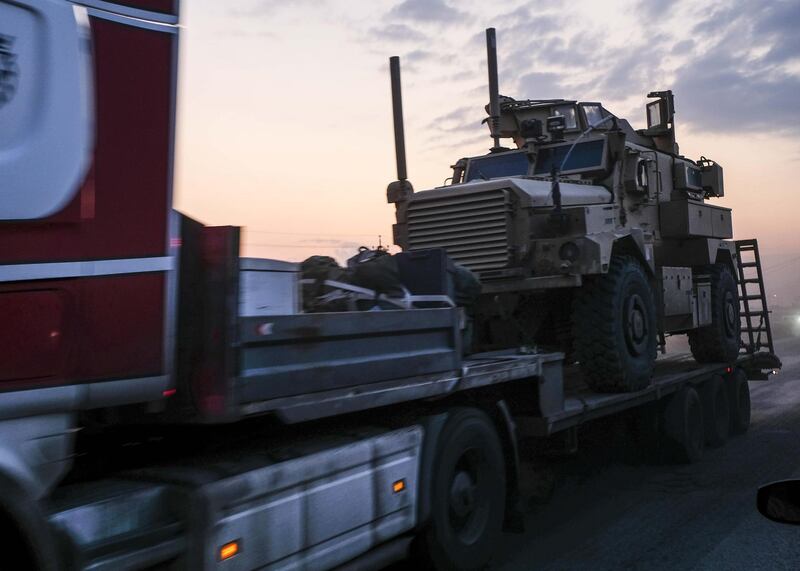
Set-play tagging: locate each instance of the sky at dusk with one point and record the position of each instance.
(285, 109)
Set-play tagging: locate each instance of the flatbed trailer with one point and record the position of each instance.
(165, 404)
(579, 404)
(357, 489)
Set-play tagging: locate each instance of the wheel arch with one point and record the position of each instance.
(500, 414)
(633, 244)
(725, 256)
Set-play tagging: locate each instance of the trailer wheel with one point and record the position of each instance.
(739, 398)
(719, 342)
(468, 493)
(614, 321)
(683, 425)
(716, 411)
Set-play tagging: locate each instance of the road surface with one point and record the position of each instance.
(610, 511)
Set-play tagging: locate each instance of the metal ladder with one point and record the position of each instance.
(753, 304)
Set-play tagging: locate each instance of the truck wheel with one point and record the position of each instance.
(614, 323)
(25, 537)
(468, 493)
(683, 425)
(716, 411)
(719, 342)
(739, 398)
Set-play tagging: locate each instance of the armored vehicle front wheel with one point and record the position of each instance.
(719, 342)
(614, 321)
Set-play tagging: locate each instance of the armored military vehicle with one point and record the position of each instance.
(586, 233)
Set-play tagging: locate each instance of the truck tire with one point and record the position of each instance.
(739, 398)
(719, 342)
(614, 324)
(683, 425)
(716, 411)
(24, 532)
(468, 493)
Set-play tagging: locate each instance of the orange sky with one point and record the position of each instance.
(285, 114)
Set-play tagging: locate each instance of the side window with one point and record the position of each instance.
(46, 125)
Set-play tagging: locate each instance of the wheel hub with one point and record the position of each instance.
(636, 326)
(730, 315)
(462, 494)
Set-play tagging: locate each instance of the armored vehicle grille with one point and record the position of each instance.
(473, 228)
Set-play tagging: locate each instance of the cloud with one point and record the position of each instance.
(655, 8)
(732, 68)
(427, 11)
(683, 47)
(741, 82)
(464, 120)
(396, 33)
(719, 92)
(269, 7)
(735, 69)
(418, 56)
(779, 23)
(541, 85)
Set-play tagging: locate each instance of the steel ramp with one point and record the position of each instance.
(754, 312)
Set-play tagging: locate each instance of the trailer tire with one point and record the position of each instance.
(614, 321)
(683, 425)
(719, 342)
(716, 411)
(468, 493)
(739, 398)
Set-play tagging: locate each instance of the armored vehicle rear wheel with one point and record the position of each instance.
(614, 322)
(719, 342)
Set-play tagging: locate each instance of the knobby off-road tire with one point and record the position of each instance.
(469, 489)
(719, 341)
(614, 321)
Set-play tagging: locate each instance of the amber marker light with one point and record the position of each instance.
(228, 550)
(399, 486)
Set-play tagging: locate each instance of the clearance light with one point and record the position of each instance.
(228, 550)
(399, 486)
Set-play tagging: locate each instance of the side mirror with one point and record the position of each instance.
(780, 501)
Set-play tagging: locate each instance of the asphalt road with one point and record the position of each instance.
(608, 509)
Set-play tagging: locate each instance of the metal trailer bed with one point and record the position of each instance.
(571, 402)
(479, 370)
